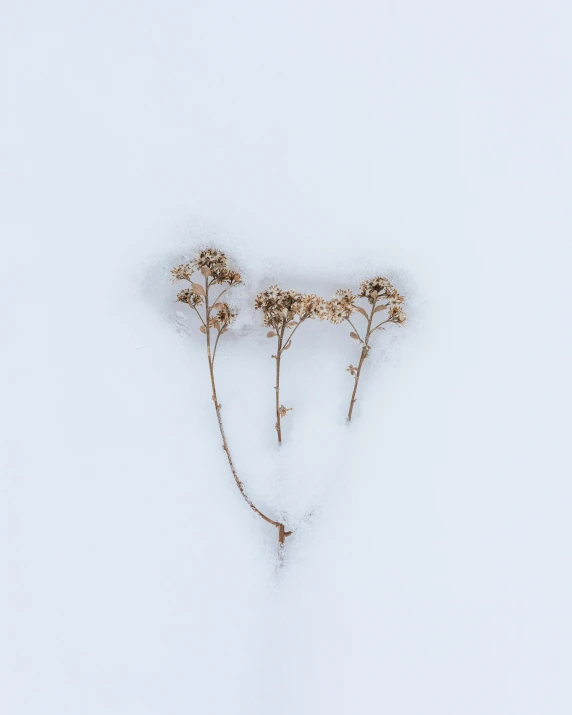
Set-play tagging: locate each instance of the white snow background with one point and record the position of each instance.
(316, 142)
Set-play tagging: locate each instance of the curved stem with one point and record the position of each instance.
(219, 296)
(282, 533)
(379, 325)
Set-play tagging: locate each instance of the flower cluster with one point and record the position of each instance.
(211, 263)
(225, 275)
(396, 313)
(224, 317)
(340, 307)
(182, 272)
(191, 297)
(214, 264)
(210, 258)
(282, 306)
(312, 306)
(375, 288)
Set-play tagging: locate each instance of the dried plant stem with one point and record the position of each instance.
(282, 533)
(277, 386)
(283, 344)
(356, 382)
(277, 389)
(364, 353)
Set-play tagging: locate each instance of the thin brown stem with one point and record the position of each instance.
(364, 352)
(292, 333)
(282, 533)
(200, 316)
(219, 296)
(215, 345)
(282, 345)
(355, 329)
(379, 326)
(277, 386)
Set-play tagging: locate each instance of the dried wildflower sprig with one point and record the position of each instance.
(381, 296)
(216, 316)
(284, 311)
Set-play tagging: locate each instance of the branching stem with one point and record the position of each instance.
(300, 321)
(378, 326)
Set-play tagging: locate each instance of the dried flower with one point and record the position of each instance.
(282, 306)
(182, 272)
(341, 306)
(212, 263)
(379, 288)
(396, 314)
(312, 306)
(191, 297)
(225, 315)
(210, 258)
(283, 410)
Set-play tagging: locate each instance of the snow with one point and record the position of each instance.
(316, 143)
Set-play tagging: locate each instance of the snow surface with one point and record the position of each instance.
(316, 142)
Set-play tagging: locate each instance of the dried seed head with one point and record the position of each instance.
(341, 306)
(396, 314)
(225, 315)
(225, 275)
(281, 306)
(312, 306)
(393, 297)
(380, 288)
(283, 410)
(214, 264)
(267, 297)
(210, 258)
(182, 272)
(189, 296)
